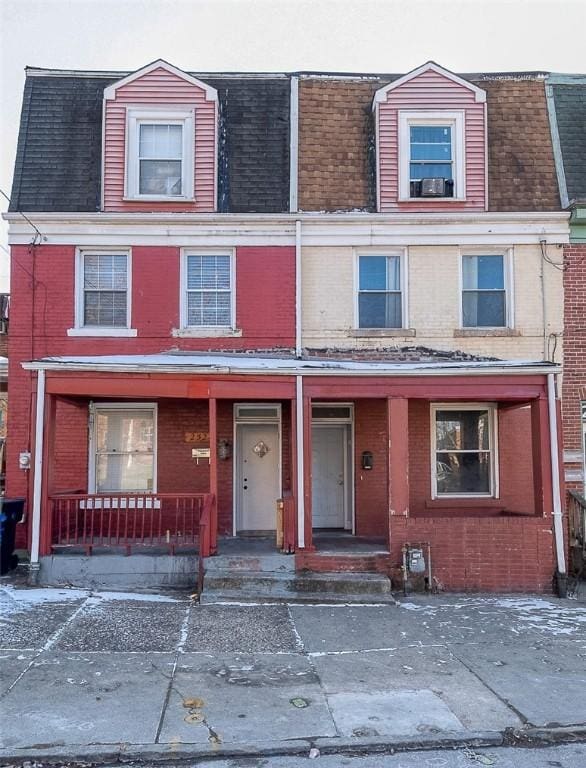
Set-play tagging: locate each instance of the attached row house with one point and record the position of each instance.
(340, 292)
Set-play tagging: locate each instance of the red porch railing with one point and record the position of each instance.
(127, 520)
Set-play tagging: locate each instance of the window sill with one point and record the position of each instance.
(113, 332)
(475, 332)
(378, 333)
(432, 199)
(206, 333)
(159, 199)
(470, 502)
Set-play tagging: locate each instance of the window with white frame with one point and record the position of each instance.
(160, 151)
(484, 291)
(123, 448)
(208, 290)
(464, 450)
(431, 162)
(380, 295)
(103, 283)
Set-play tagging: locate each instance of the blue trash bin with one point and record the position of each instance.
(11, 512)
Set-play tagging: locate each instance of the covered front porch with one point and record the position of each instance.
(337, 463)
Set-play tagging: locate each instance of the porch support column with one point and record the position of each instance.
(213, 473)
(541, 457)
(304, 470)
(47, 487)
(398, 459)
(38, 471)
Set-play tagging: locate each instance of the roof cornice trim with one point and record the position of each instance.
(381, 94)
(110, 91)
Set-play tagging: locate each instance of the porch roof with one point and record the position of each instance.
(285, 365)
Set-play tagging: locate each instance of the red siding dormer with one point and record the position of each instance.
(160, 142)
(431, 143)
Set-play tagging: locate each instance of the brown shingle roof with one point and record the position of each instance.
(336, 144)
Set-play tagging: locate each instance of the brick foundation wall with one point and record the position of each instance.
(574, 379)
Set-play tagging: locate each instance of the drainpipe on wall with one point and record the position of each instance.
(300, 464)
(38, 476)
(298, 340)
(558, 530)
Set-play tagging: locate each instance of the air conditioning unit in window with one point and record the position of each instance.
(435, 187)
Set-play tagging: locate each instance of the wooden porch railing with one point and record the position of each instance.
(127, 520)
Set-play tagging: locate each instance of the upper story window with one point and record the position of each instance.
(207, 290)
(464, 450)
(102, 300)
(485, 293)
(431, 155)
(160, 155)
(380, 294)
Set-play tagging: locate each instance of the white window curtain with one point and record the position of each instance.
(124, 450)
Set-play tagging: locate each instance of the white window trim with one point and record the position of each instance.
(164, 115)
(492, 409)
(79, 329)
(508, 271)
(206, 330)
(106, 406)
(456, 119)
(402, 253)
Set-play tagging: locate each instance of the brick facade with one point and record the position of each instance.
(574, 380)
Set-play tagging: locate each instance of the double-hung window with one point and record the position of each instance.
(160, 151)
(123, 448)
(484, 291)
(380, 296)
(431, 155)
(464, 450)
(103, 288)
(208, 291)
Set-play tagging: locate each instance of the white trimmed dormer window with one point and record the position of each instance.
(431, 155)
(160, 150)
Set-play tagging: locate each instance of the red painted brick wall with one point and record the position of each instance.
(42, 309)
(371, 500)
(491, 554)
(574, 379)
(515, 465)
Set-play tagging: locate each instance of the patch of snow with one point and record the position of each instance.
(18, 600)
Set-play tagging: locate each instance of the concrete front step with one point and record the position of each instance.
(274, 563)
(291, 586)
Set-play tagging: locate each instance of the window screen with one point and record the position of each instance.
(105, 290)
(209, 290)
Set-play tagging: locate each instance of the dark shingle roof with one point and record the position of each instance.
(58, 161)
(570, 111)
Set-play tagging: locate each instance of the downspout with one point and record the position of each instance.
(555, 482)
(300, 464)
(38, 470)
(542, 245)
(298, 306)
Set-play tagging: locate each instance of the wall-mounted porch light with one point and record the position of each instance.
(224, 449)
(367, 460)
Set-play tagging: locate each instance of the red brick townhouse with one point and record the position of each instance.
(339, 291)
(567, 109)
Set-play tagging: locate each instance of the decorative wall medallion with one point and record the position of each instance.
(261, 449)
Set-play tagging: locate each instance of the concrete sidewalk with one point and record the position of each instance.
(93, 675)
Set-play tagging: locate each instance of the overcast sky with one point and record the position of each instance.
(278, 35)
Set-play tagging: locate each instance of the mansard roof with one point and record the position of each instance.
(567, 102)
(59, 155)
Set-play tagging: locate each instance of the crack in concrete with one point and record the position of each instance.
(50, 642)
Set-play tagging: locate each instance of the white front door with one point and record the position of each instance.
(258, 484)
(329, 447)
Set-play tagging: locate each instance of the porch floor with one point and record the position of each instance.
(326, 541)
